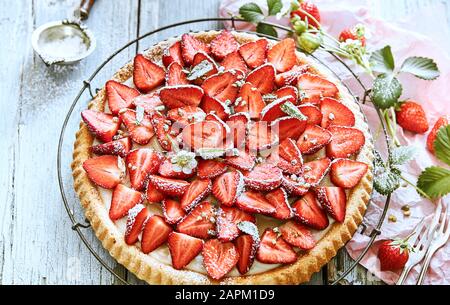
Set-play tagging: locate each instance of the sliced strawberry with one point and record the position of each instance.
(254, 53)
(119, 147)
(149, 102)
(254, 202)
(334, 201)
(282, 55)
(206, 66)
(345, 142)
(153, 195)
(215, 106)
(290, 77)
(243, 161)
(246, 247)
(206, 134)
(441, 121)
(263, 177)
(172, 211)
(173, 54)
(141, 131)
(315, 171)
(312, 88)
(104, 126)
(279, 200)
(238, 124)
(208, 169)
(295, 185)
(175, 75)
(227, 221)
(308, 212)
(161, 126)
(228, 187)
(155, 233)
(146, 74)
(191, 46)
(273, 111)
(222, 86)
(171, 187)
(336, 113)
(224, 44)
(105, 171)
(185, 115)
(288, 127)
(347, 173)
(260, 137)
(119, 96)
(123, 199)
(166, 170)
(313, 139)
(274, 250)
(234, 61)
(198, 189)
(289, 152)
(297, 235)
(249, 100)
(225, 128)
(180, 96)
(137, 217)
(219, 258)
(288, 91)
(313, 114)
(183, 248)
(141, 163)
(200, 222)
(262, 78)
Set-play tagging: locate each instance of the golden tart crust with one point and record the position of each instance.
(153, 271)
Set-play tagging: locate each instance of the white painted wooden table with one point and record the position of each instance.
(37, 245)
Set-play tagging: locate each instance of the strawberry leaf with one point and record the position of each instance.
(401, 155)
(274, 6)
(382, 61)
(251, 12)
(421, 67)
(386, 91)
(266, 29)
(434, 181)
(442, 145)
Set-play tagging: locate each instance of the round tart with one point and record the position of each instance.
(222, 157)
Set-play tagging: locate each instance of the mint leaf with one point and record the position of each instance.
(421, 67)
(266, 29)
(293, 111)
(386, 179)
(434, 181)
(274, 6)
(386, 91)
(401, 155)
(251, 12)
(200, 70)
(442, 144)
(382, 61)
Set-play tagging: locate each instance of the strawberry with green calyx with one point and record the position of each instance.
(307, 12)
(393, 254)
(411, 116)
(355, 33)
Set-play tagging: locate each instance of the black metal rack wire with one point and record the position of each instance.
(82, 226)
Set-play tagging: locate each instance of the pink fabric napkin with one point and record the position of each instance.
(415, 35)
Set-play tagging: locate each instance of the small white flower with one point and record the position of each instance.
(184, 161)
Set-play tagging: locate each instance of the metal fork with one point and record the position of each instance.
(419, 241)
(439, 238)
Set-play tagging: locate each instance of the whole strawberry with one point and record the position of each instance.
(393, 254)
(412, 117)
(299, 9)
(355, 33)
(442, 121)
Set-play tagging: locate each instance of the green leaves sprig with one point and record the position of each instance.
(251, 12)
(435, 180)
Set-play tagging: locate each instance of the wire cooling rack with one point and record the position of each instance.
(65, 145)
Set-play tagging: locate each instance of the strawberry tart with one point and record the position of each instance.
(223, 158)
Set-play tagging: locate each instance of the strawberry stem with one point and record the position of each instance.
(415, 186)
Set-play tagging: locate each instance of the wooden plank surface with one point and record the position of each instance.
(37, 245)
